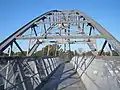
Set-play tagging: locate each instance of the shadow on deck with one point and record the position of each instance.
(64, 78)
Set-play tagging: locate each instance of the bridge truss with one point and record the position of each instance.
(54, 27)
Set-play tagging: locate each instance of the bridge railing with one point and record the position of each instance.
(26, 72)
(98, 73)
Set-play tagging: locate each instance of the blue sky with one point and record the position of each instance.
(16, 13)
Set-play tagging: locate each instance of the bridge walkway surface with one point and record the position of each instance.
(64, 78)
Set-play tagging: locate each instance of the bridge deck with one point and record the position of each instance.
(64, 78)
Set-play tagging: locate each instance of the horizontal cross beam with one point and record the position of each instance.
(59, 22)
(66, 42)
(61, 37)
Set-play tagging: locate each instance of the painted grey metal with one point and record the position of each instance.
(61, 17)
(26, 71)
(111, 40)
(35, 46)
(102, 74)
(33, 49)
(11, 38)
(103, 47)
(22, 76)
(61, 37)
(19, 47)
(28, 68)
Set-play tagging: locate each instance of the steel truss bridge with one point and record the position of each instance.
(56, 27)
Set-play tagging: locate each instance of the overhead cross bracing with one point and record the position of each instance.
(54, 28)
(62, 23)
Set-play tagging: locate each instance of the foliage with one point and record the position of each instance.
(20, 54)
(89, 53)
(38, 53)
(3, 54)
(50, 50)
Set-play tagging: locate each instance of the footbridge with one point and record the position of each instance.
(40, 55)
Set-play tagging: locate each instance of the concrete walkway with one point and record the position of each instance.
(64, 78)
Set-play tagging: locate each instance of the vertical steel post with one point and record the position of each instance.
(56, 50)
(29, 42)
(48, 50)
(7, 69)
(21, 76)
(103, 47)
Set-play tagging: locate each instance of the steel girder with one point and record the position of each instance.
(62, 18)
(26, 73)
(12, 38)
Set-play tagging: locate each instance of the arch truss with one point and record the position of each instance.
(54, 27)
(60, 27)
